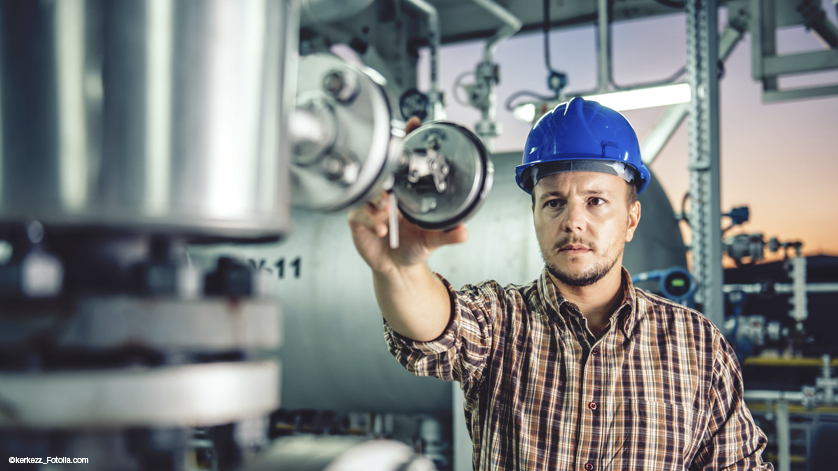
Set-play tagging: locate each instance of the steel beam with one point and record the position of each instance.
(815, 61)
(705, 181)
(799, 93)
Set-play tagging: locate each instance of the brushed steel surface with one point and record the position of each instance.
(149, 115)
(168, 323)
(366, 140)
(190, 395)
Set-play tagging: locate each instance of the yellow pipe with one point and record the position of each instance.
(769, 361)
(795, 408)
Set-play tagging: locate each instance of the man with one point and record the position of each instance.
(578, 369)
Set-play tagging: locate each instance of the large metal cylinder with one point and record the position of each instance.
(334, 356)
(157, 116)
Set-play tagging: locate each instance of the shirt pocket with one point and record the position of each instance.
(656, 435)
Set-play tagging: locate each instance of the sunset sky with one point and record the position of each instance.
(780, 159)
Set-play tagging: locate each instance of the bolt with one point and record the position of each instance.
(343, 87)
(333, 167)
(334, 82)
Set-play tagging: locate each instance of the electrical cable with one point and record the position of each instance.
(511, 107)
(684, 216)
(678, 73)
(556, 80)
(546, 27)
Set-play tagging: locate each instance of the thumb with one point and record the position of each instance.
(456, 235)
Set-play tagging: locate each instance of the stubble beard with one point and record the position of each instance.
(586, 278)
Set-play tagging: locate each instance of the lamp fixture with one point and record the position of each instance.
(624, 100)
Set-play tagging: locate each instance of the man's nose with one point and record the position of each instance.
(574, 218)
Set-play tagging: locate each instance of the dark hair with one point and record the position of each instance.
(631, 193)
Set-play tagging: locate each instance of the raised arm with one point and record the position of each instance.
(412, 299)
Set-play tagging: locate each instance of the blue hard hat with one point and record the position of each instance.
(582, 136)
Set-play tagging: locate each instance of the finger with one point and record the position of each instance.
(381, 202)
(412, 124)
(457, 235)
(370, 219)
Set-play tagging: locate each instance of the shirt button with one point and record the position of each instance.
(595, 352)
(589, 466)
(592, 405)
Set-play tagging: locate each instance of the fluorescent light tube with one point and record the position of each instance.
(644, 97)
(663, 95)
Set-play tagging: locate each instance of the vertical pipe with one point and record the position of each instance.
(2, 58)
(799, 299)
(486, 71)
(828, 382)
(705, 177)
(72, 116)
(158, 125)
(783, 436)
(603, 47)
(437, 111)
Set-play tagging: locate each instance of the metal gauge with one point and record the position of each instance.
(444, 176)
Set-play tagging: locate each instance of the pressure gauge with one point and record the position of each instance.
(444, 176)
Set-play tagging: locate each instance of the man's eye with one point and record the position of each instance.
(597, 201)
(554, 204)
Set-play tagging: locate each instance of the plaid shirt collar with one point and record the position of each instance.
(552, 301)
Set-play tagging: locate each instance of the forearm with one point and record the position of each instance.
(414, 301)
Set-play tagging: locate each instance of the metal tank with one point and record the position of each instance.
(153, 116)
(334, 355)
(127, 130)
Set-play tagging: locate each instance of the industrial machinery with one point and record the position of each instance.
(132, 130)
(785, 346)
(150, 155)
(119, 120)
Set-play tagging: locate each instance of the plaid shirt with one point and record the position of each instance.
(661, 389)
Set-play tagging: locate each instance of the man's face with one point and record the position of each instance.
(582, 221)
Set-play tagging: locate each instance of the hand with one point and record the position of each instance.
(369, 225)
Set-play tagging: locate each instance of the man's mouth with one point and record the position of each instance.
(574, 248)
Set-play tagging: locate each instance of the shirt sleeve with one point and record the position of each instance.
(461, 352)
(732, 440)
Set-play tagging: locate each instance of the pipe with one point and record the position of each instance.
(816, 20)
(603, 47)
(826, 380)
(437, 111)
(486, 74)
(782, 288)
(768, 395)
(783, 437)
(512, 26)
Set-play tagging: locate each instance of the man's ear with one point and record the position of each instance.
(633, 220)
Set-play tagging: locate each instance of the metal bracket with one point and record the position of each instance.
(767, 66)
